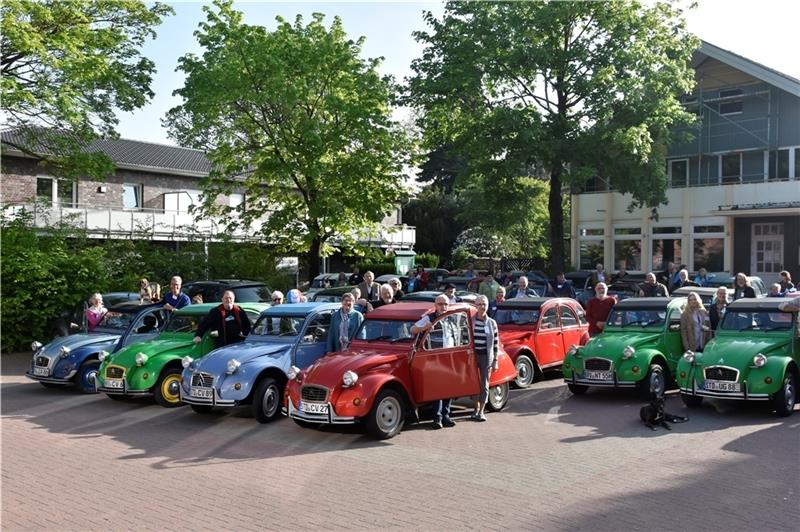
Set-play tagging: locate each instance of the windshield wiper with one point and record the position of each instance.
(749, 328)
(383, 337)
(643, 323)
(399, 339)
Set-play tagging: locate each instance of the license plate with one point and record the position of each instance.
(598, 375)
(313, 408)
(42, 372)
(204, 393)
(722, 386)
(113, 383)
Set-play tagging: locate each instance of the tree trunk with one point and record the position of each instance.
(554, 207)
(313, 259)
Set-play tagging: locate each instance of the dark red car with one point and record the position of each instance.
(537, 332)
(387, 373)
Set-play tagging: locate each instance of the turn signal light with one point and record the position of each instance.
(357, 401)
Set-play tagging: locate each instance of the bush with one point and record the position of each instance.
(427, 260)
(378, 268)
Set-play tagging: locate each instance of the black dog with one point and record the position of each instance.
(654, 415)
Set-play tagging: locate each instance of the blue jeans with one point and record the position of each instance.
(443, 409)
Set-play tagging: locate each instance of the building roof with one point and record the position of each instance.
(748, 66)
(128, 154)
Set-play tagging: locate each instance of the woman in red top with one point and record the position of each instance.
(598, 309)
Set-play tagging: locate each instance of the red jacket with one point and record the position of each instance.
(597, 310)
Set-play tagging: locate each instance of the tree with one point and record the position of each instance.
(564, 90)
(439, 213)
(300, 122)
(66, 66)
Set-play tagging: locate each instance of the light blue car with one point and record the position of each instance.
(255, 371)
(74, 359)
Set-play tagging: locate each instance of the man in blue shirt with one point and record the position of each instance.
(175, 299)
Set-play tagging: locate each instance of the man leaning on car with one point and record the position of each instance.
(227, 319)
(175, 299)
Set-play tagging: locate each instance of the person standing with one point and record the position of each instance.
(487, 346)
(228, 319)
(522, 290)
(355, 278)
(397, 287)
(562, 287)
(695, 324)
(670, 276)
(421, 279)
(499, 297)
(598, 309)
(488, 285)
(175, 299)
(341, 280)
(425, 324)
(702, 277)
(598, 275)
(775, 290)
(718, 307)
(742, 288)
(370, 290)
(683, 280)
(450, 292)
(344, 324)
(652, 288)
(786, 281)
(275, 322)
(387, 296)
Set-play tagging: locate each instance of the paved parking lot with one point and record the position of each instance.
(550, 461)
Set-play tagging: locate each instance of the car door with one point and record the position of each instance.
(147, 325)
(570, 327)
(444, 365)
(549, 338)
(313, 340)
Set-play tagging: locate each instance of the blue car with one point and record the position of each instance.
(74, 359)
(254, 371)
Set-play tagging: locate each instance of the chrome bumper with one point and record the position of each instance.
(743, 395)
(52, 380)
(330, 418)
(211, 401)
(608, 384)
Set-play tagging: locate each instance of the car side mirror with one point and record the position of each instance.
(214, 334)
(674, 327)
(309, 338)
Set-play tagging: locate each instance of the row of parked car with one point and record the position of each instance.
(387, 375)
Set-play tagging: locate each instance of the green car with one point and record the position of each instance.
(639, 348)
(754, 357)
(154, 367)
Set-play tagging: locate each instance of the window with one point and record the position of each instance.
(58, 192)
(779, 164)
(236, 199)
(730, 168)
(450, 331)
(628, 253)
(180, 201)
(666, 248)
(550, 319)
(591, 253)
(679, 173)
(591, 232)
(132, 196)
(708, 247)
(627, 230)
(730, 106)
(568, 318)
(317, 330)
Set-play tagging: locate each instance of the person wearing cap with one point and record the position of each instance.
(295, 296)
(450, 292)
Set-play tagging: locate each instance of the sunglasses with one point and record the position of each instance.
(276, 299)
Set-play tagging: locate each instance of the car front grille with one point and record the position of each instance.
(115, 372)
(314, 393)
(721, 373)
(42, 361)
(204, 380)
(597, 364)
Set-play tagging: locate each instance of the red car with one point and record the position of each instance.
(537, 332)
(387, 373)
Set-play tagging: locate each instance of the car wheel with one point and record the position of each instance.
(267, 400)
(202, 409)
(578, 389)
(167, 389)
(498, 397)
(52, 384)
(654, 384)
(86, 376)
(387, 415)
(692, 401)
(525, 372)
(305, 424)
(785, 398)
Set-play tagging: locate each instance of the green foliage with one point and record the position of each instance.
(302, 120)
(427, 260)
(69, 65)
(378, 268)
(531, 89)
(437, 217)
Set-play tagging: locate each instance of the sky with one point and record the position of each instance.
(762, 30)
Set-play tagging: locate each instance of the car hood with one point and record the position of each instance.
(613, 342)
(76, 341)
(739, 351)
(167, 346)
(328, 370)
(245, 352)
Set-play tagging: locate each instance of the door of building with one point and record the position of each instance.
(766, 253)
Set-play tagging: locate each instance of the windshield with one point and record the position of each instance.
(183, 324)
(326, 298)
(637, 318)
(278, 326)
(757, 320)
(252, 294)
(115, 321)
(516, 317)
(385, 330)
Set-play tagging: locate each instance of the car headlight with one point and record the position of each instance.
(572, 350)
(233, 365)
(103, 355)
(688, 356)
(759, 360)
(35, 346)
(349, 378)
(64, 351)
(293, 372)
(628, 352)
(186, 361)
(141, 359)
